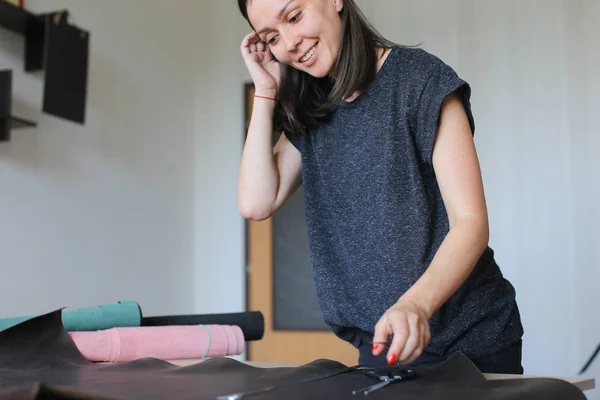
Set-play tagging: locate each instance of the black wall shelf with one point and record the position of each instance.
(16, 122)
(58, 48)
(17, 19)
(7, 120)
(31, 26)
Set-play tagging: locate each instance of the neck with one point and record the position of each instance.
(381, 54)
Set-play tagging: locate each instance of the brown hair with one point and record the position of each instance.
(304, 99)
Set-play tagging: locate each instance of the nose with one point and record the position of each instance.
(291, 40)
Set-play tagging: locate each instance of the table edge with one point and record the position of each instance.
(583, 383)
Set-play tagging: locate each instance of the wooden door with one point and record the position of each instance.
(279, 284)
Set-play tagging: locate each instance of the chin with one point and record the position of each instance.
(317, 71)
(317, 74)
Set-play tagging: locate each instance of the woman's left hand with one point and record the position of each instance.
(408, 324)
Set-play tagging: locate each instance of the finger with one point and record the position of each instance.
(261, 46)
(254, 38)
(380, 337)
(246, 39)
(252, 48)
(244, 47)
(414, 339)
(246, 42)
(269, 56)
(425, 336)
(401, 333)
(417, 352)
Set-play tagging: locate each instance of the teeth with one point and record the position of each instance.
(308, 55)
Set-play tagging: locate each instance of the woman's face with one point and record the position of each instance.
(304, 34)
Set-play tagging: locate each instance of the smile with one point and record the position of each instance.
(308, 55)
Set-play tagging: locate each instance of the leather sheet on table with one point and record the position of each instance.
(39, 360)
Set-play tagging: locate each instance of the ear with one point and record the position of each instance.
(339, 5)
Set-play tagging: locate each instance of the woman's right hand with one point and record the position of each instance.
(263, 67)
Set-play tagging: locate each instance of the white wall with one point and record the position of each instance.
(97, 213)
(220, 246)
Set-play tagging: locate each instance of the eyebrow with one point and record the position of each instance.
(279, 15)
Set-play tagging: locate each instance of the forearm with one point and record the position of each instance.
(451, 265)
(258, 176)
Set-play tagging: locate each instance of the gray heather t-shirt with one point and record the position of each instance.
(376, 218)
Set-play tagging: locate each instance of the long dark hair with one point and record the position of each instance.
(304, 99)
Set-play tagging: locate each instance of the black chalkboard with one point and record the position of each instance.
(295, 303)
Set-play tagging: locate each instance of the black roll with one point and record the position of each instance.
(252, 323)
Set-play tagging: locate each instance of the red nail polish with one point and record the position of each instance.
(391, 358)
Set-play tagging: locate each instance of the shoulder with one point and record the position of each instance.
(416, 56)
(415, 69)
(425, 76)
(422, 82)
(415, 63)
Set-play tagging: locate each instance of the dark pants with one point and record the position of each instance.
(507, 361)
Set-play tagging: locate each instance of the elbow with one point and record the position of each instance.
(484, 238)
(483, 233)
(254, 212)
(475, 227)
(484, 230)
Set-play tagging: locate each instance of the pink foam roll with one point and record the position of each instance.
(162, 342)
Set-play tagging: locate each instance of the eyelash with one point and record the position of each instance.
(297, 15)
(292, 20)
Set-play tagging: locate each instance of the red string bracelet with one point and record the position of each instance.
(268, 98)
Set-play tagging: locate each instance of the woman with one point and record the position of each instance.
(381, 138)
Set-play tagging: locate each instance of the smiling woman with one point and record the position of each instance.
(380, 136)
(305, 36)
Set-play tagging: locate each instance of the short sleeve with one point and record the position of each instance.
(442, 82)
(295, 140)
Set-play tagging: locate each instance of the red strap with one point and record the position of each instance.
(268, 98)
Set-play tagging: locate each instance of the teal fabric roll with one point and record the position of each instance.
(124, 313)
